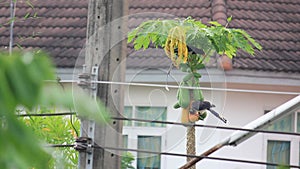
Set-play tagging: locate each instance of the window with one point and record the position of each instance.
(146, 113)
(283, 124)
(280, 148)
(278, 152)
(127, 114)
(148, 160)
(151, 113)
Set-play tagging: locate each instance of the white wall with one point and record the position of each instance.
(239, 108)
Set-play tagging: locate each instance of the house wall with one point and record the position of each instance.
(239, 108)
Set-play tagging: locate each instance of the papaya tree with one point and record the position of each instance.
(189, 44)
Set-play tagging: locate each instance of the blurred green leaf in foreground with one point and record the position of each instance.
(22, 84)
(56, 130)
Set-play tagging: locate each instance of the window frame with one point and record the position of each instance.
(294, 142)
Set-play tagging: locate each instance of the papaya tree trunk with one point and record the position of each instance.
(190, 134)
(190, 144)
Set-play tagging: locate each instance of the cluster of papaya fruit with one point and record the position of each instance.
(187, 93)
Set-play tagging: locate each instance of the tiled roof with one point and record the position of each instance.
(276, 25)
(61, 29)
(141, 10)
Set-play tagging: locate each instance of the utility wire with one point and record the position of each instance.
(207, 126)
(181, 155)
(47, 114)
(185, 87)
(174, 123)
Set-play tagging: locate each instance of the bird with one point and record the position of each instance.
(195, 50)
(198, 106)
(192, 50)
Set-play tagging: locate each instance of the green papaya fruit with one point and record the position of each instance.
(196, 75)
(198, 95)
(176, 105)
(184, 96)
(187, 77)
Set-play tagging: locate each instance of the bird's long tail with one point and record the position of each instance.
(218, 115)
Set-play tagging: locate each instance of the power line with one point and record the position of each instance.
(185, 87)
(182, 155)
(47, 114)
(174, 123)
(207, 126)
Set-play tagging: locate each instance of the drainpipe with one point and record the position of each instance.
(239, 136)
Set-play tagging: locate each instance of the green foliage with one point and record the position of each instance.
(56, 130)
(223, 40)
(154, 31)
(206, 38)
(21, 80)
(22, 84)
(127, 159)
(282, 167)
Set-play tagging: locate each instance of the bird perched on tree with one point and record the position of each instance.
(192, 50)
(200, 106)
(195, 50)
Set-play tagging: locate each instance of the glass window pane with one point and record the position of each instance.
(151, 113)
(283, 124)
(127, 114)
(148, 160)
(278, 152)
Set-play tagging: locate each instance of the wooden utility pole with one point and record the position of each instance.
(105, 49)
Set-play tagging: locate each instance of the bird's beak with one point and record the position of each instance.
(212, 105)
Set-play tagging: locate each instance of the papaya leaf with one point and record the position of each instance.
(229, 19)
(215, 23)
(28, 2)
(27, 15)
(139, 42)
(131, 35)
(249, 38)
